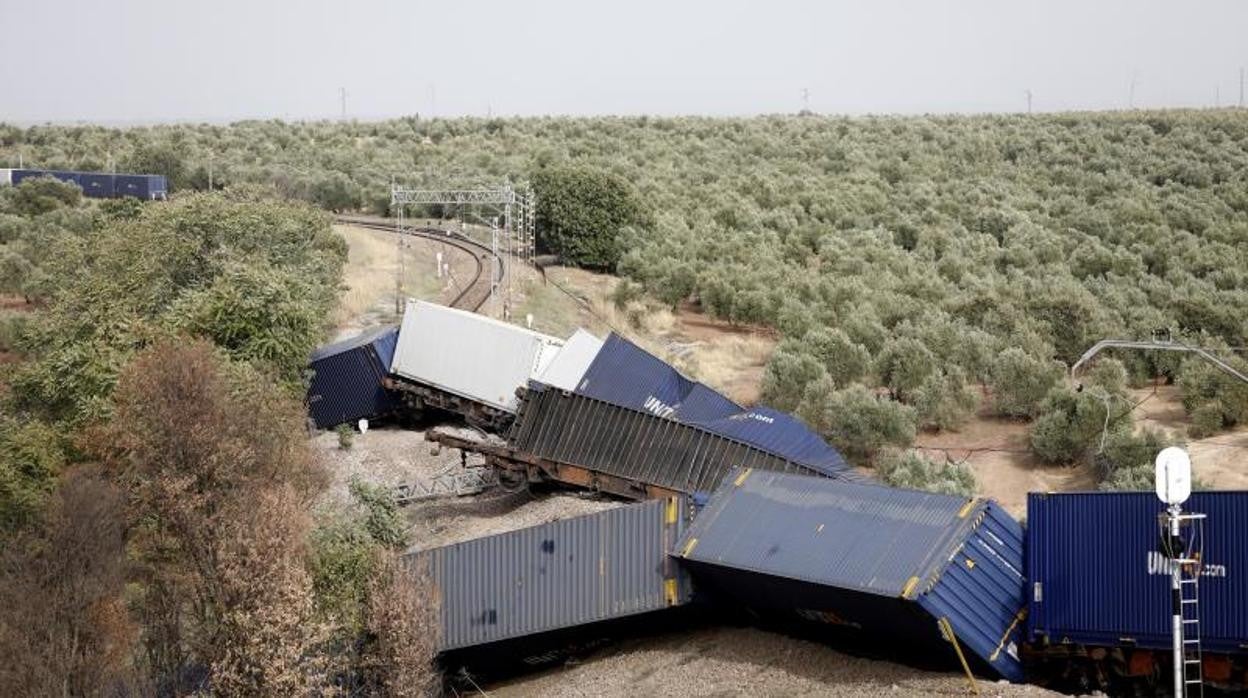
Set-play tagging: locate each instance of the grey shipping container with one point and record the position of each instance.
(637, 451)
(603, 566)
(867, 561)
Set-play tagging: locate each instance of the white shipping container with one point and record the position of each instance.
(469, 355)
(6, 177)
(567, 369)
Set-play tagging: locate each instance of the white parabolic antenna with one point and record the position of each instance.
(1173, 475)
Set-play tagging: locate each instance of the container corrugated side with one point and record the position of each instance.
(624, 374)
(1098, 577)
(348, 379)
(875, 559)
(469, 355)
(576, 571)
(782, 434)
(632, 445)
(99, 185)
(568, 367)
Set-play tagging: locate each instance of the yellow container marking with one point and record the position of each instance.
(910, 585)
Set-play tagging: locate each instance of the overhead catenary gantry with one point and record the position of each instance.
(510, 215)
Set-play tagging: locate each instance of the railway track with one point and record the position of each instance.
(477, 291)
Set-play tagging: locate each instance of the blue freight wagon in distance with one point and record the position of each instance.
(99, 185)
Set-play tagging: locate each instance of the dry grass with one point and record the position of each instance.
(370, 272)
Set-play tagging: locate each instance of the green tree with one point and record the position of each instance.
(904, 366)
(855, 420)
(158, 158)
(788, 374)
(1020, 382)
(845, 361)
(944, 400)
(911, 471)
(582, 211)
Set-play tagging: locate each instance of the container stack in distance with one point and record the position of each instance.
(99, 185)
(862, 558)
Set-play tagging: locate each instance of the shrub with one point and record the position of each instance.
(845, 361)
(904, 365)
(789, 371)
(1204, 387)
(346, 436)
(1020, 382)
(1109, 375)
(1127, 462)
(1206, 420)
(911, 471)
(31, 456)
(1071, 425)
(944, 400)
(855, 420)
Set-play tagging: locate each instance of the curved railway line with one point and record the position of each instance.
(477, 292)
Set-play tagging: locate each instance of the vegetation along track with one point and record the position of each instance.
(477, 292)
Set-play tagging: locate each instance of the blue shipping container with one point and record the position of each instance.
(142, 186)
(348, 378)
(21, 175)
(780, 433)
(1098, 576)
(99, 185)
(624, 374)
(859, 558)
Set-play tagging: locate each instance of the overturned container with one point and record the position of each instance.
(858, 562)
(467, 363)
(572, 572)
(591, 443)
(348, 379)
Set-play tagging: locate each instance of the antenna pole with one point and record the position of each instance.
(1176, 603)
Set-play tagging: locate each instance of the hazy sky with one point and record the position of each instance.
(149, 60)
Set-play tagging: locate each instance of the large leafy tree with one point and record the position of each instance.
(582, 213)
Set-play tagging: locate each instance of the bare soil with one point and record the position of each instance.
(997, 452)
(730, 661)
(1220, 461)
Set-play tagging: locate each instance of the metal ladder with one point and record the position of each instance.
(1189, 602)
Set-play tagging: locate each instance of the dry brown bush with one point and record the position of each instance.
(219, 481)
(64, 629)
(402, 625)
